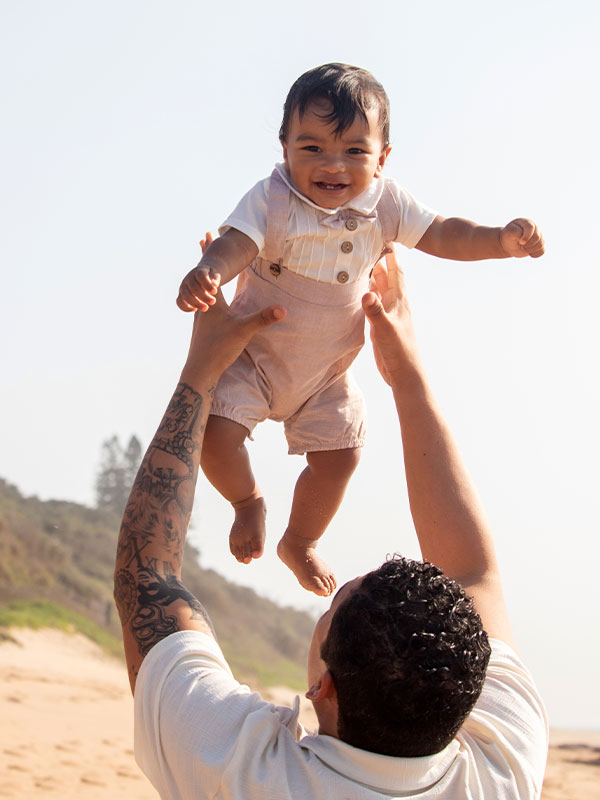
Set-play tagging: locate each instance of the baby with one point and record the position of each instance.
(307, 238)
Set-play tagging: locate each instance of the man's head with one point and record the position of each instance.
(335, 133)
(407, 655)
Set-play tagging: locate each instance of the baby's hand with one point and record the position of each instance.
(199, 287)
(521, 238)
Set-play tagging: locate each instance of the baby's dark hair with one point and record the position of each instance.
(408, 657)
(350, 90)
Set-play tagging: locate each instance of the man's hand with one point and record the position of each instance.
(388, 312)
(219, 337)
(521, 238)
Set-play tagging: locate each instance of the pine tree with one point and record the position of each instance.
(116, 474)
(132, 459)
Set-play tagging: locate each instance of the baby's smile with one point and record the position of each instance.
(332, 167)
(331, 187)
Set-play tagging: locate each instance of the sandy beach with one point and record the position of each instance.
(67, 727)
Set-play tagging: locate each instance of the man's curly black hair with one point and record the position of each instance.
(408, 654)
(351, 91)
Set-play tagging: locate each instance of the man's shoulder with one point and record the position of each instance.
(505, 660)
(510, 714)
(508, 682)
(201, 647)
(191, 664)
(194, 721)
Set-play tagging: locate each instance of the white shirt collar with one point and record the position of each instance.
(364, 203)
(400, 776)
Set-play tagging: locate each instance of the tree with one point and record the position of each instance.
(117, 472)
(132, 459)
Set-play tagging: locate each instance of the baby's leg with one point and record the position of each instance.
(226, 464)
(318, 494)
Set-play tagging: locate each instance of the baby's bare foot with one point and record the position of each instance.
(300, 556)
(247, 537)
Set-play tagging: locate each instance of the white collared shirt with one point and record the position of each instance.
(313, 246)
(200, 735)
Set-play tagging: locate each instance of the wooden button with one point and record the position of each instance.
(351, 224)
(343, 277)
(347, 247)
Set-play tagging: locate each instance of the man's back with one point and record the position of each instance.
(200, 734)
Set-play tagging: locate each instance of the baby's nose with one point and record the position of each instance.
(333, 164)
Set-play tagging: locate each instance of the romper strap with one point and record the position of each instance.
(388, 213)
(277, 218)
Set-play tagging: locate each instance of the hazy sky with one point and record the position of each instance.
(131, 127)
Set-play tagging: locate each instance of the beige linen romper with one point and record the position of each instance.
(296, 371)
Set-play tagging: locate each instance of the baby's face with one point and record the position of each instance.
(331, 169)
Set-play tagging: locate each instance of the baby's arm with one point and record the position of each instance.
(223, 259)
(463, 240)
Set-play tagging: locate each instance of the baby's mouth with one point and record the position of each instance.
(331, 187)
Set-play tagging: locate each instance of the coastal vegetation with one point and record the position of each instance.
(56, 570)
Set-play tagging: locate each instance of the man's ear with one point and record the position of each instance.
(323, 690)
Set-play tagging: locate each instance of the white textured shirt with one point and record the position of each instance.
(200, 734)
(315, 235)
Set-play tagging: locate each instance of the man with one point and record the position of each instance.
(397, 665)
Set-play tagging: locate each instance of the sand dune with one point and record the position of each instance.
(67, 727)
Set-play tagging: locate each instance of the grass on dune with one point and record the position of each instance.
(39, 614)
(57, 561)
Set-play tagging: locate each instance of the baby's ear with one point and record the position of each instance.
(382, 159)
(284, 146)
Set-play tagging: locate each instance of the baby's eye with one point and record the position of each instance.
(356, 151)
(312, 148)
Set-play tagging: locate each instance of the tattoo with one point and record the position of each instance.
(150, 550)
(125, 594)
(151, 623)
(161, 499)
(177, 434)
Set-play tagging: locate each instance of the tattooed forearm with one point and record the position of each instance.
(143, 603)
(150, 549)
(161, 499)
(179, 433)
(125, 594)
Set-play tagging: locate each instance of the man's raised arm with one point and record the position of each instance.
(449, 520)
(150, 597)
